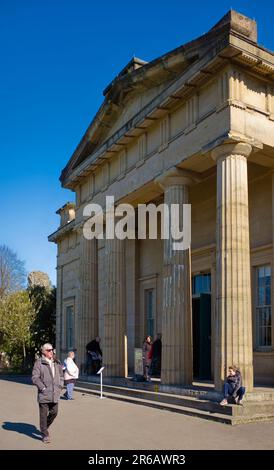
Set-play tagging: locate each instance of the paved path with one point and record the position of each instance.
(90, 423)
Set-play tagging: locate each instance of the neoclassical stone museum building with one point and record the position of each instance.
(195, 126)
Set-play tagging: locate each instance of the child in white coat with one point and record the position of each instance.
(71, 373)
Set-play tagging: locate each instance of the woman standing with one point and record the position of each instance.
(71, 373)
(147, 345)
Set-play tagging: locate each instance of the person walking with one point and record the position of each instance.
(71, 374)
(47, 375)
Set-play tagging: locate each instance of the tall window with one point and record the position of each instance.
(165, 130)
(70, 327)
(149, 307)
(201, 284)
(263, 307)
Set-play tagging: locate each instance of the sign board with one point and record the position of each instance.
(138, 361)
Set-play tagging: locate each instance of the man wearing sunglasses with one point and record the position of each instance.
(47, 375)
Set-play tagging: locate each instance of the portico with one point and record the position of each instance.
(203, 135)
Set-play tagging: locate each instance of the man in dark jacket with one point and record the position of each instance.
(47, 375)
(94, 355)
(156, 356)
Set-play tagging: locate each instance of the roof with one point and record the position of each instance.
(140, 73)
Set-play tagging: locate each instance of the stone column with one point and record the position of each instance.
(88, 315)
(114, 353)
(177, 301)
(233, 341)
(132, 285)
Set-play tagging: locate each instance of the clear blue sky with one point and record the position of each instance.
(57, 56)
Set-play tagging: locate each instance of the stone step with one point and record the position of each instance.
(166, 398)
(161, 405)
(186, 404)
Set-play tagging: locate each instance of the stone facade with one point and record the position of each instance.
(196, 126)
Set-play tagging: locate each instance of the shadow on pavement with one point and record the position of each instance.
(23, 428)
(22, 379)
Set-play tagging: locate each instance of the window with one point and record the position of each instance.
(142, 144)
(70, 327)
(149, 309)
(165, 130)
(263, 307)
(123, 162)
(201, 284)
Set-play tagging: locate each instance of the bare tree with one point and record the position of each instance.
(12, 271)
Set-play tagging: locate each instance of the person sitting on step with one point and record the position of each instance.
(233, 386)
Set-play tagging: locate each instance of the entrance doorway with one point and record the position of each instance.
(201, 326)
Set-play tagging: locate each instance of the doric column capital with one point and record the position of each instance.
(177, 176)
(233, 148)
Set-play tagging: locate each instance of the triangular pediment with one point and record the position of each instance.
(125, 96)
(139, 82)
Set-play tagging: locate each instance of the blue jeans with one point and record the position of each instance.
(70, 388)
(228, 391)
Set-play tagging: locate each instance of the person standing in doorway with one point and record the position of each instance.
(147, 345)
(47, 375)
(156, 356)
(94, 356)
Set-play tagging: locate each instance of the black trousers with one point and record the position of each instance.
(48, 413)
